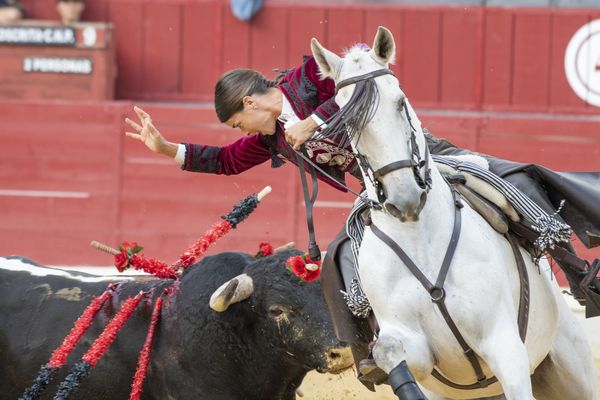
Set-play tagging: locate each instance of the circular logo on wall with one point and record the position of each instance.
(582, 62)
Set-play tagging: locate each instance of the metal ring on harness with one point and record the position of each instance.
(438, 294)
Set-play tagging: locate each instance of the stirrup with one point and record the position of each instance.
(592, 290)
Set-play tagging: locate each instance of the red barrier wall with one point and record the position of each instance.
(68, 175)
(473, 58)
(489, 79)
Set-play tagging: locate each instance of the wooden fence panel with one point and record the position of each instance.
(344, 28)
(129, 37)
(564, 26)
(162, 48)
(422, 60)
(304, 23)
(236, 41)
(461, 58)
(268, 47)
(200, 53)
(531, 61)
(497, 58)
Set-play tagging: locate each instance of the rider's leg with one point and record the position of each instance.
(368, 370)
(532, 189)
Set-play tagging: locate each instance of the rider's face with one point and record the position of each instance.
(253, 119)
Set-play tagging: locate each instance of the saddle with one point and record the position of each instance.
(495, 208)
(492, 205)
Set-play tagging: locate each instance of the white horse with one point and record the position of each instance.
(482, 285)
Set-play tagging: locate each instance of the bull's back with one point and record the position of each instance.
(38, 307)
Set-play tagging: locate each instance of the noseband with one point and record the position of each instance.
(416, 163)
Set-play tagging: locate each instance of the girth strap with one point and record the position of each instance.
(437, 291)
(523, 317)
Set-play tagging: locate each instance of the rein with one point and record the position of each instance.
(313, 248)
(416, 163)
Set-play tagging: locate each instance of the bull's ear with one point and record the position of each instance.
(384, 47)
(329, 63)
(233, 291)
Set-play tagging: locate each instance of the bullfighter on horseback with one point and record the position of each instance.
(282, 117)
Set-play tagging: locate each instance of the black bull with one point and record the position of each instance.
(259, 348)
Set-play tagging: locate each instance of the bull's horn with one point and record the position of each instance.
(287, 246)
(231, 292)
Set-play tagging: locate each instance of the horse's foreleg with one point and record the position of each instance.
(390, 356)
(507, 357)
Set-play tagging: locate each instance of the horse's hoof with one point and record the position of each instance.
(370, 372)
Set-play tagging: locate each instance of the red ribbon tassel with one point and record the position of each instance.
(59, 356)
(152, 266)
(195, 251)
(109, 334)
(144, 358)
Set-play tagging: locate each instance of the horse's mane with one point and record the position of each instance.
(350, 120)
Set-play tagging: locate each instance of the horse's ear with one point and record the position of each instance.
(384, 47)
(329, 63)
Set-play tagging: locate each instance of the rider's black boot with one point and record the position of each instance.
(403, 383)
(590, 285)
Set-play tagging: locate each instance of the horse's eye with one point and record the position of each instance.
(401, 104)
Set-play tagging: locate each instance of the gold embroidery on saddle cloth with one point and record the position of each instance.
(325, 152)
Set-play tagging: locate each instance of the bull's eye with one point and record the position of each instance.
(276, 311)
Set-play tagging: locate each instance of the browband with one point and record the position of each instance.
(355, 79)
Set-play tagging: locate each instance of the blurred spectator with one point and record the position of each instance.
(70, 10)
(245, 9)
(10, 11)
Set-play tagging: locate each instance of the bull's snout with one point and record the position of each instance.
(337, 359)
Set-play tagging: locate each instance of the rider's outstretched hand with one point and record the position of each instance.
(149, 135)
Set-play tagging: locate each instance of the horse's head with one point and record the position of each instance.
(383, 128)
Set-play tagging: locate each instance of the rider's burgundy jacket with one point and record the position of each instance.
(307, 94)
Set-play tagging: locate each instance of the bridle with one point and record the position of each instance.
(416, 162)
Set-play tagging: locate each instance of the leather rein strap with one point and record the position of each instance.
(313, 249)
(438, 295)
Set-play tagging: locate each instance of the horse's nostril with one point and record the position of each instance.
(392, 209)
(334, 355)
